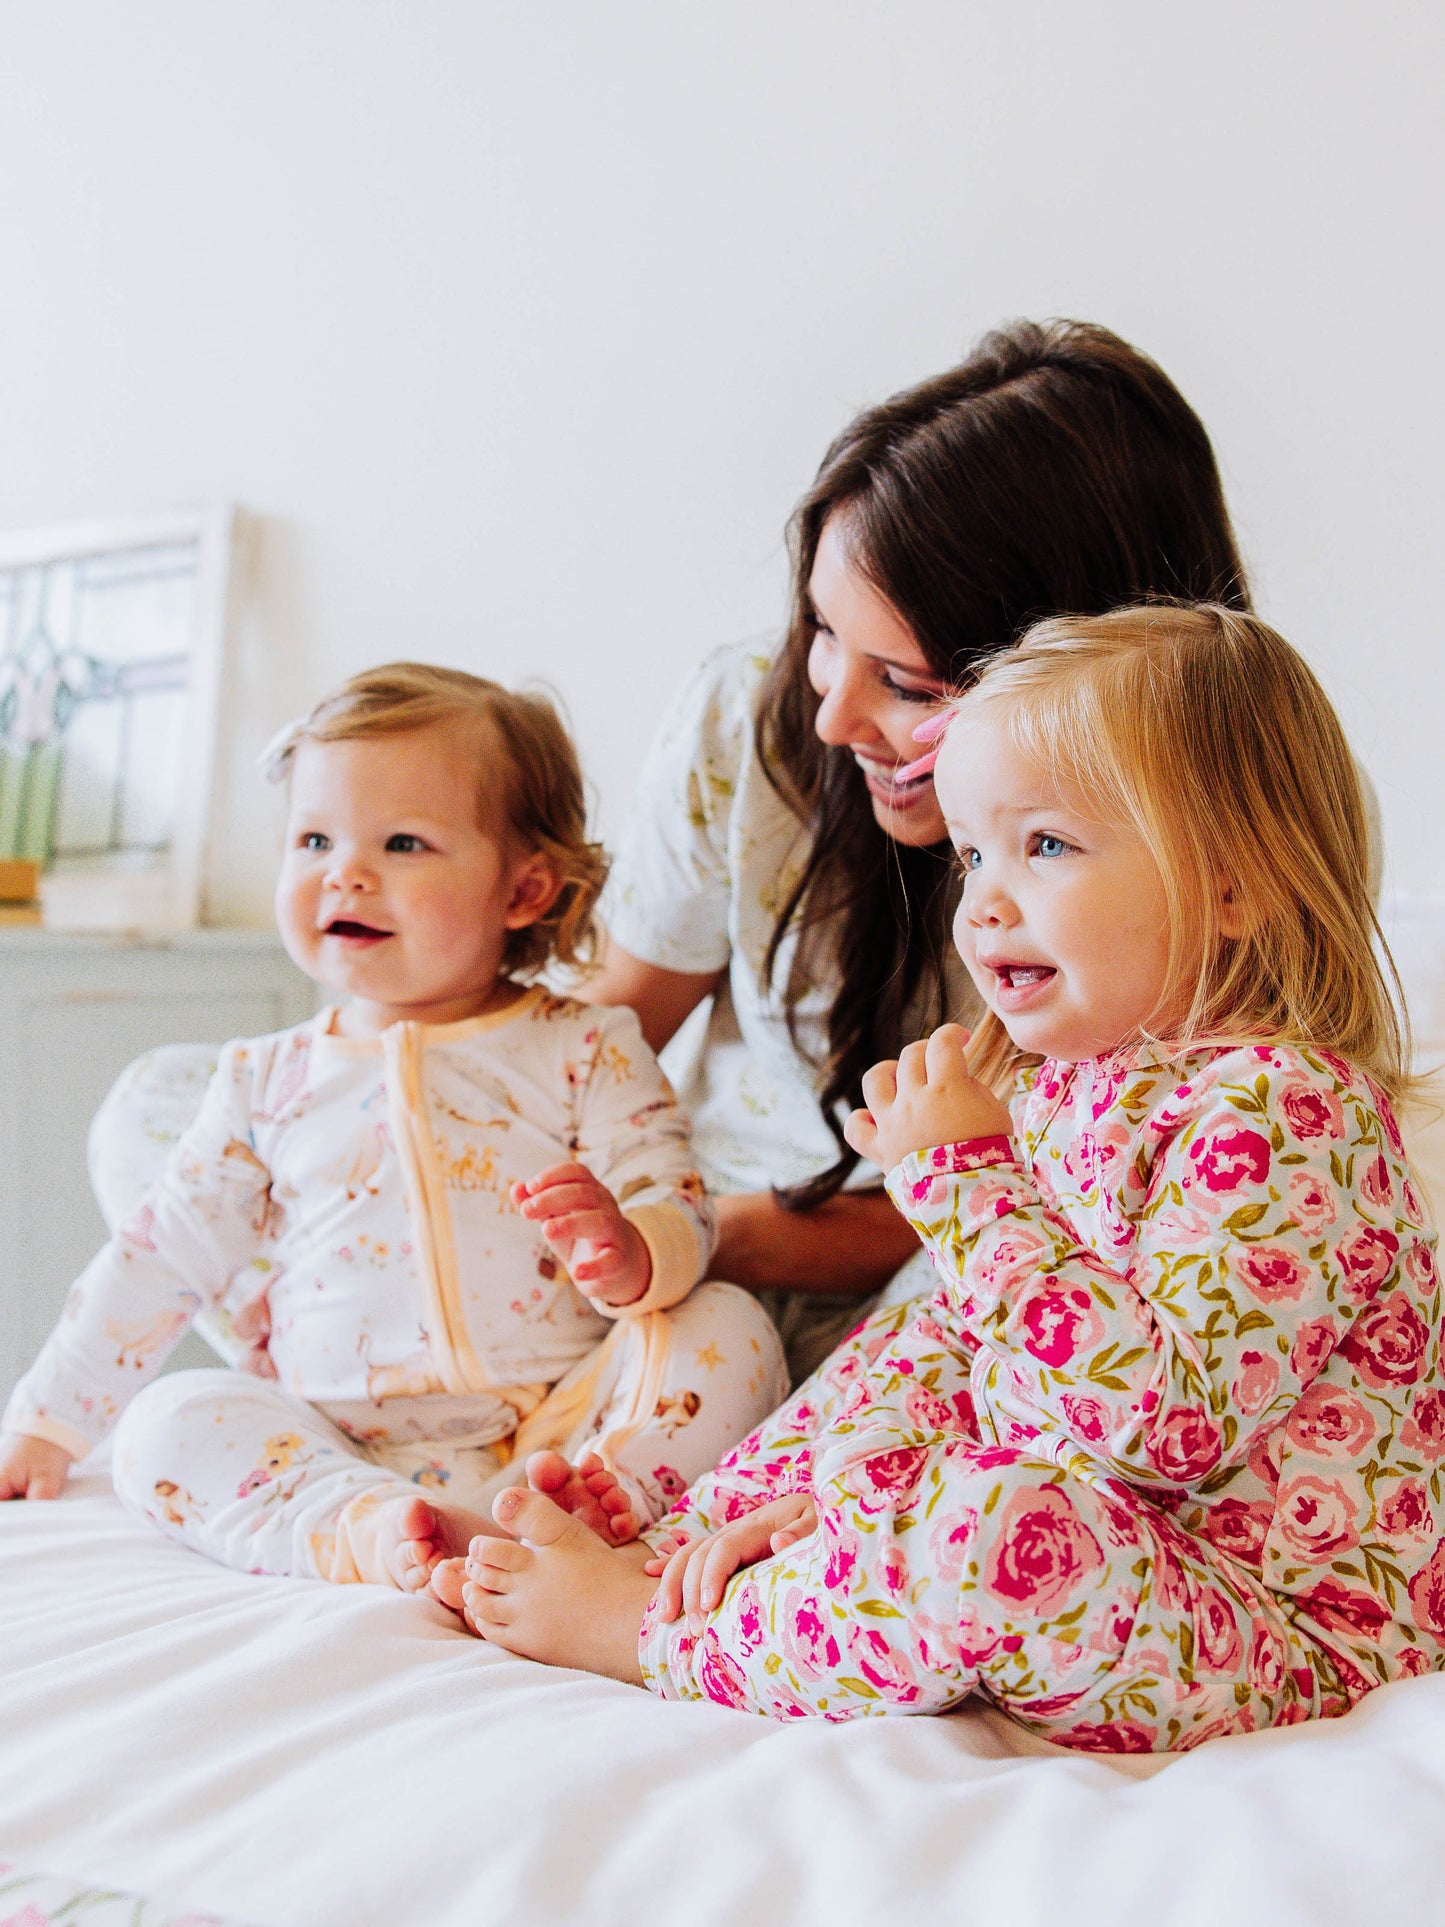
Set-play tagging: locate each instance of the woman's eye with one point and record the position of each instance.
(910, 695)
(404, 845)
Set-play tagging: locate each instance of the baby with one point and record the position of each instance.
(457, 1214)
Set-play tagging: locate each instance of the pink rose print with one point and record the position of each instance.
(1359, 1615)
(1274, 1273)
(1405, 1516)
(883, 1668)
(928, 1411)
(1386, 1115)
(1059, 1324)
(1366, 1257)
(1314, 1340)
(752, 1625)
(966, 1415)
(1043, 1552)
(951, 1540)
(1266, 1660)
(1375, 1184)
(1185, 1446)
(1013, 1255)
(1386, 1344)
(887, 1481)
(1420, 1270)
(1413, 1663)
(719, 1675)
(1263, 1456)
(1333, 1424)
(893, 1568)
(1424, 1430)
(1110, 1736)
(1310, 1115)
(1257, 1383)
(1219, 1647)
(808, 1645)
(1230, 1159)
(1427, 1595)
(1238, 1528)
(1315, 1518)
(1311, 1202)
(843, 1549)
(1087, 1418)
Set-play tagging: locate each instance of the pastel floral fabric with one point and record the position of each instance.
(1162, 1457)
(53, 1900)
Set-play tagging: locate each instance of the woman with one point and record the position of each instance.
(775, 865)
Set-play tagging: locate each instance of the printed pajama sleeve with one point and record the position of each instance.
(197, 1226)
(1245, 1252)
(633, 1135)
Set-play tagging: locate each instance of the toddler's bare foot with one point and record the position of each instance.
(563, 1597)
(588, 1491)
(414, 1535)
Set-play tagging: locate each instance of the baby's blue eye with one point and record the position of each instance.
(1052, 846)
(404, 845)
(970, 859)
(314, 840)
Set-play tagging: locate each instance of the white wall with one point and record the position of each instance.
(522, 327)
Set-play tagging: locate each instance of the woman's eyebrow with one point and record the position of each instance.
(918, 675)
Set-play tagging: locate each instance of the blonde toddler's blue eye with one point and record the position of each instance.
(1052, 846)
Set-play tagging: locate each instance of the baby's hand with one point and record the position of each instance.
(31, 1468)
(928, 1097)
(574, 1208)
(698, 1570)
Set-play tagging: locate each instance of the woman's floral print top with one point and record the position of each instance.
(1215, 1279)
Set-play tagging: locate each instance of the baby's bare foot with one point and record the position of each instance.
(563, 1597)
(416, 1534)
(588, 1491)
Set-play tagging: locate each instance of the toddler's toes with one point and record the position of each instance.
(485, 1609)
(447, 1582)
(490, 1560)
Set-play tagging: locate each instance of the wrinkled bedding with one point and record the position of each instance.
(298, 1755)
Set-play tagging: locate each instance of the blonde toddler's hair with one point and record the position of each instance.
(1205, 732)
(527, 773)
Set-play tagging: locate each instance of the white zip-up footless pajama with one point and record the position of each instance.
(421, 1333)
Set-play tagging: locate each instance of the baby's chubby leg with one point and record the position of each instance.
(259, 1480)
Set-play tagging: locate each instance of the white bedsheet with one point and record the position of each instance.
(306, 1756)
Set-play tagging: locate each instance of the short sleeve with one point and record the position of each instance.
(670, 894)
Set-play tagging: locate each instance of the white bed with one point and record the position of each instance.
(298, 1755)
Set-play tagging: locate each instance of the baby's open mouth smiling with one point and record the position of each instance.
(1021, 983)
(349, 930)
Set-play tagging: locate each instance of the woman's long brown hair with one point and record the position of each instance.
(1056, 471)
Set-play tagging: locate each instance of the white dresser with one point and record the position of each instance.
(73, 1012)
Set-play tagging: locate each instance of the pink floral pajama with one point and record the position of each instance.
(1161, 1459)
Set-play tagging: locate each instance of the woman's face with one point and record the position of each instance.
(876, 687)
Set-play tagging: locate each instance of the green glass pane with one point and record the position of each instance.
(29, 786)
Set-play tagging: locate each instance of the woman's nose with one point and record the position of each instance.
(842, 711)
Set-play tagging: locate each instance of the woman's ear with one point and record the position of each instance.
(1233, 921)
(535, 888)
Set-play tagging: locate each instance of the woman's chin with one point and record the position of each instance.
(918, 825)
